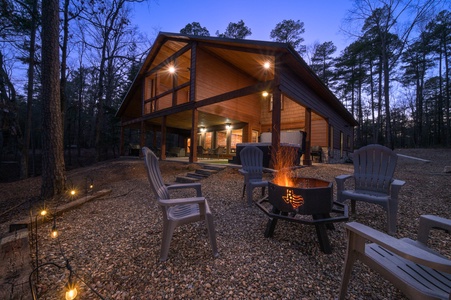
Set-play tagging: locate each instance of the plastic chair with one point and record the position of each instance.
(374, 167)
(418, 271)
(252, 169)
(180, 211)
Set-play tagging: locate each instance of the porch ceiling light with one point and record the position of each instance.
(265, 94)
(228, 126)
(171, 69)
(267, 65)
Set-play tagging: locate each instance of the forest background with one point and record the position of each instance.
(394, 77)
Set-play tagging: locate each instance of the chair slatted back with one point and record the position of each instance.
(154, 175)
(252, 161)
(374, 168)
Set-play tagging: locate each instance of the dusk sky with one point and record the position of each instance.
(322, 19)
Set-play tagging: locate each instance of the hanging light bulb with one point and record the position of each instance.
(43, 212)
(71, 290)
(71, 293)
(54, 233)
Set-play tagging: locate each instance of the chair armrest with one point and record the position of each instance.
(341, 186)
(395, 187)
(243, 172)
(428, 222)
(398, 247)
(179, 186)
(343, 178)
(179, 201)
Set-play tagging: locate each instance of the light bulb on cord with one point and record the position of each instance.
(54, 233)
(71, 293)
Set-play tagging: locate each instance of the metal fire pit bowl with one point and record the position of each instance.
(310, 196)
(310, 202)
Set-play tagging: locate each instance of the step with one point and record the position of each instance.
(186, 179)
(196, 175)
(214, 167)
(206, 172)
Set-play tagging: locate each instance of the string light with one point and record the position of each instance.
(71, 291)
(54, 233)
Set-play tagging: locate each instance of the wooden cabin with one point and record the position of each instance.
(198, 94)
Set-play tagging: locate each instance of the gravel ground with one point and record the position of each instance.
(113, 242)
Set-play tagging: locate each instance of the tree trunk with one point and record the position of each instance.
(28, 125)
(53, 168)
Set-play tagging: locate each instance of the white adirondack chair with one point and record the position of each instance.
(177, 212)
(374, 167)
(418, 271)
(252, 169)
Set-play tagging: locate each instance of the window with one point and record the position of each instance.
(271, 100)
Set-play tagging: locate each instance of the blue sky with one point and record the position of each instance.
(322, 19)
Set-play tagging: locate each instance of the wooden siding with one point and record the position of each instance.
(215, 76)
(245, 109)
(319, 133)
(296, 89)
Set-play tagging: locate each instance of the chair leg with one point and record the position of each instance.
(211, 234)
(168, 231)
(263, 191)
(391, 219)
(353, 207)
(346, 275)
(250, 192)
(244, 189)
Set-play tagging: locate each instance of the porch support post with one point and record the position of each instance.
(194, 141)
(308, 129)
(276, 113)
(163, 138)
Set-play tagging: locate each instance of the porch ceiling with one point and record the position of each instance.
(182, 120)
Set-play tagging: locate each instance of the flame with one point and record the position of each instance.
(283, 163)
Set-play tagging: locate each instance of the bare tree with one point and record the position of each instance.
(384, 19)
(107, 20)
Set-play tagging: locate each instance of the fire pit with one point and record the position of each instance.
(295, 199)
(306, 196)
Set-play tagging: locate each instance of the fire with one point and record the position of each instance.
(283, 163)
